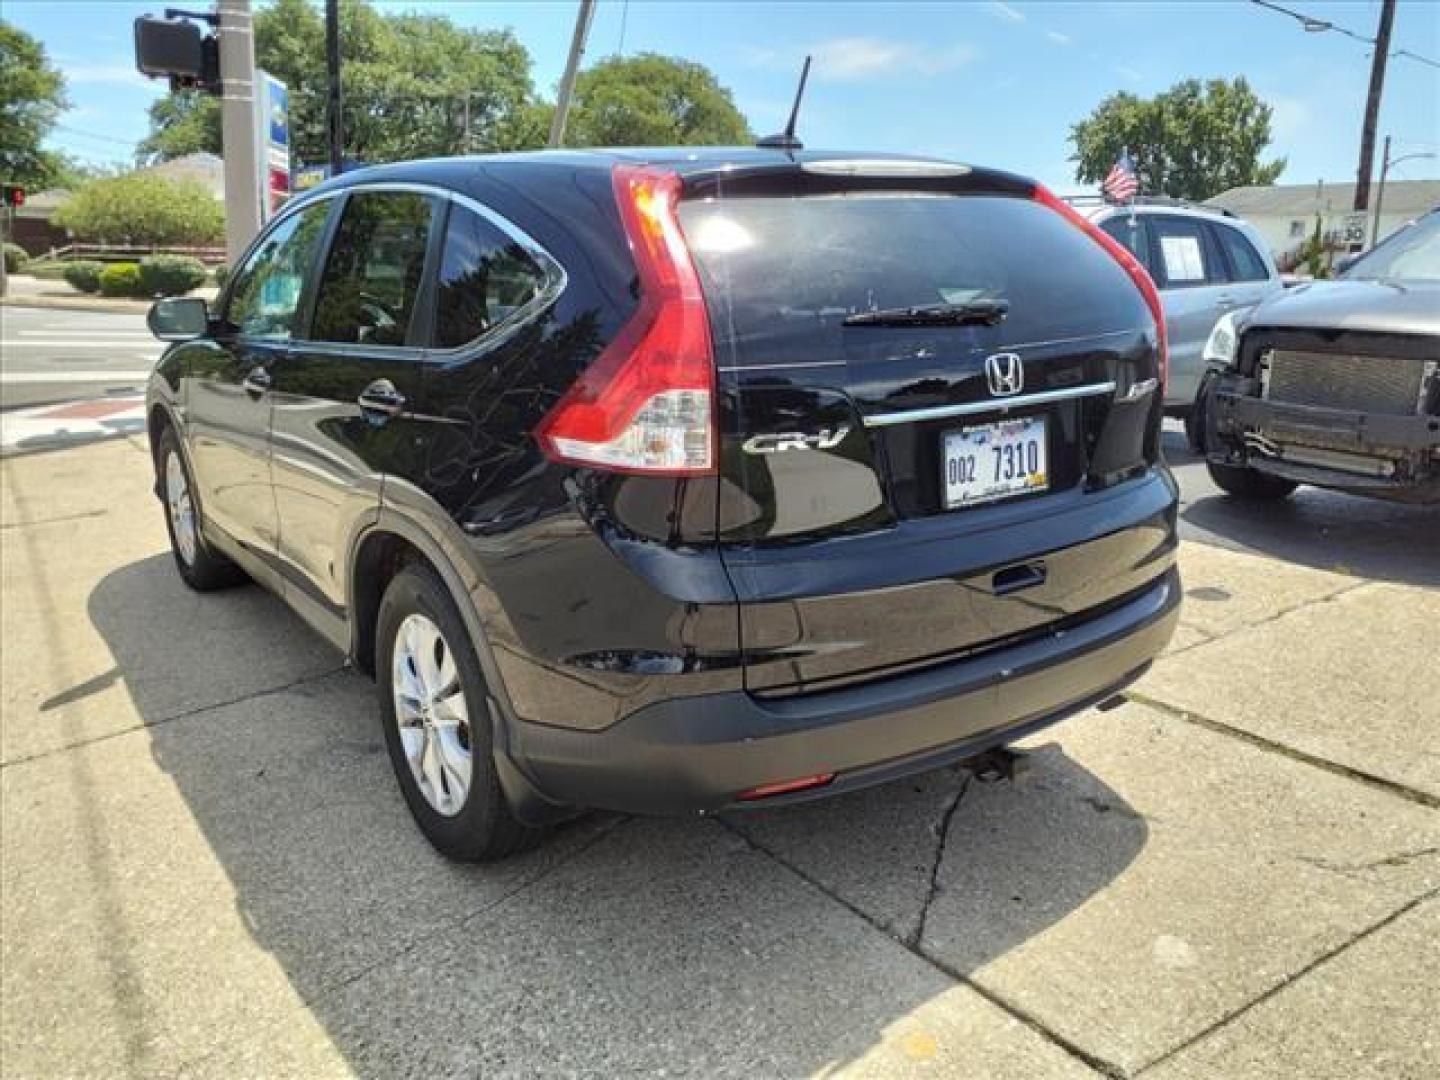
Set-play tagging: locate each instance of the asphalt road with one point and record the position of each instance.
(49, 355)
(1322, 529)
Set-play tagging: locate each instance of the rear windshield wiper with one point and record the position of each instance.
(975, 312)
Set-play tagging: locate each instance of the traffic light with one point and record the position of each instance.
(14, 195)
(177, 49)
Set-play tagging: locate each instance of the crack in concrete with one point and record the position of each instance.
(1335, 768)
(917, 936)
(82, 515)
(1400, 858)
(1074, 1050)
(185, 714)
(1287, 981)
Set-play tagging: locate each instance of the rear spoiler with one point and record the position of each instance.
(833, 176)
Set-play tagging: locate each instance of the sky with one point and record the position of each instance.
(989, 82)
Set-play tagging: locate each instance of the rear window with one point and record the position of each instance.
(781, 273)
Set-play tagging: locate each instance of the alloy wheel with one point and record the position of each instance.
(431, 714)
(182, 509)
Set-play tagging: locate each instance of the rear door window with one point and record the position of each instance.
(485, 278)
(1184, 253)
(371, 284)
(1245, 262)
(1131, 231)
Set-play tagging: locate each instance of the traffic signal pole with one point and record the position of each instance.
(244, 191)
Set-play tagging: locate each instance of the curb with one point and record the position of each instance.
(79, 303)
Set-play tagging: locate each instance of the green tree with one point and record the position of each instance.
(143, 209)
(32, 97)
(1191, 142)
(651, 100)
(414, 86)
(184, 123)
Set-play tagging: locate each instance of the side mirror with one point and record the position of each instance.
(178, 318)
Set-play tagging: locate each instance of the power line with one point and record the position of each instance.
(92, 135)
(1317, 26)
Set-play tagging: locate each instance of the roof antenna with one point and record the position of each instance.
(786, 140)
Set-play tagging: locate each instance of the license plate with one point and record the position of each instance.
(994, 461)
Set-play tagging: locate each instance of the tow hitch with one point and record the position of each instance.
(998, 764)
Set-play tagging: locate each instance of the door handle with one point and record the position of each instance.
(1226, 302)
(1014, 578)
(257, 381)
(380, 400)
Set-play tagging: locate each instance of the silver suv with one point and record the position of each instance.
(1206, 263)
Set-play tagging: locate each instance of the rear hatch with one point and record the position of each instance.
(902, 487)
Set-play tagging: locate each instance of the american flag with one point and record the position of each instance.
(1122, 183)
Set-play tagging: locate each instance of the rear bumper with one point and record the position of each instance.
(699, 753)
(1395, 457)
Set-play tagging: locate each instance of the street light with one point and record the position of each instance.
(1385, 163)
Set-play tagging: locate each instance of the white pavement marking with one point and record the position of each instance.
(77, 343)
(24, 378)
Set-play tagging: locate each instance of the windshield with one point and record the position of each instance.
(1412, 254)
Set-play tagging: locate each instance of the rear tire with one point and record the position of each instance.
(200, 566)
(435, 709)
(1249, 484)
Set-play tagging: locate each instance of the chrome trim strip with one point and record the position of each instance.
(1071, 340)
(556, 278)
(970, 408)
(1140, 389)
(784, 367)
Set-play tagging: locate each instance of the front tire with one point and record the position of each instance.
(435, 709)
(202, 568)
(1249, 484)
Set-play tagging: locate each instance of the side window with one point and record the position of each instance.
(1131, 232)
(267, 289)
(1186, 255)
(372, 276)
(485, 277)
(1245, 262)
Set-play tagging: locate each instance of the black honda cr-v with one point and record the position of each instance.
(681, 480)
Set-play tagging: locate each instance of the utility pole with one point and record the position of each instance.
(334, 118)
(243, 192)
(572, 67)
(1372, 105)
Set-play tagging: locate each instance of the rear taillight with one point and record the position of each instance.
(1121, 254)
(647, 403)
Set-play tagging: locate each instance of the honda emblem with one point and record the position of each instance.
(1006, 373)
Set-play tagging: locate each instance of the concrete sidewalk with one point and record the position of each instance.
(27, 291)
(207, 869)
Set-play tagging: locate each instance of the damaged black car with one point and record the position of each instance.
(1335, 384)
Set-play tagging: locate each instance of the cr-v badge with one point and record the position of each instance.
(1006, 373)
(795, 440)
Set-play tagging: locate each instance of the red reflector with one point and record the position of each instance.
(1131, 265)
(646, 404)
(785, 787)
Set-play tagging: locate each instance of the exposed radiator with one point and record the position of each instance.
(1375, 384)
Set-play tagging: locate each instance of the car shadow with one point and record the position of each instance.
(622, 946)
(1327, 530)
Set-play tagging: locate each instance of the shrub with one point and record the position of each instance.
(46, 269)
(144, 209)
(15, 258)
(170, 275)
(84, 276)
(120, 279)
(222, 274)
